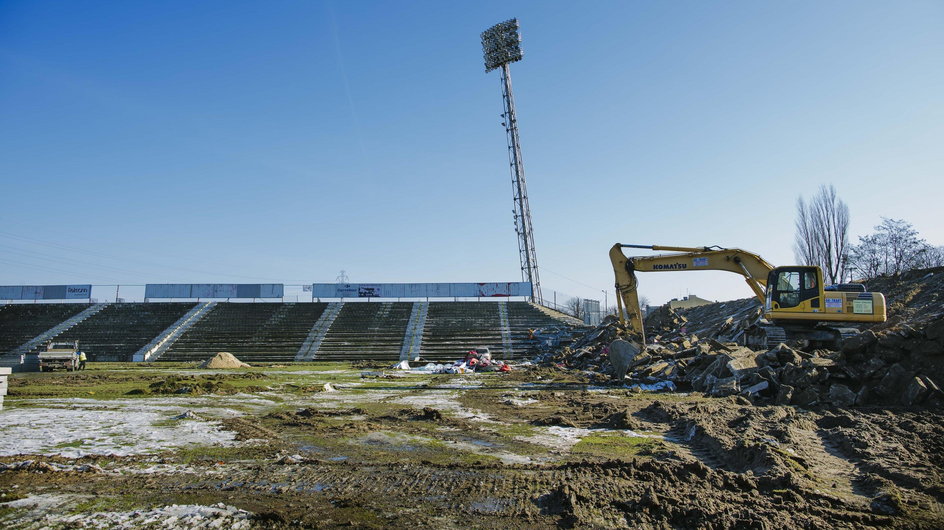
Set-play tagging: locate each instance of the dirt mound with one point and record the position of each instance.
(223, 359)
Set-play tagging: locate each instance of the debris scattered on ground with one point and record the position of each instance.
(223, 360)
(498, 451)
(477, 360)
(40, 466)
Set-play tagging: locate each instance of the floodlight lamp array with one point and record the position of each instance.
(501, 44)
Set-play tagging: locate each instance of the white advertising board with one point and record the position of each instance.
(421, 290)
(214, 290)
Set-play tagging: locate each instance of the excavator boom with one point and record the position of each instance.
(754, 269)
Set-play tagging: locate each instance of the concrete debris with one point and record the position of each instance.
(841, 396)
(763, 385)
(291, 459)
(661, 386)
(899, 362)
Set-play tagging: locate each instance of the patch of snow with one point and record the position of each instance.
(514, 402)
(443, 401)
(566, 437)
(40, 512)
(189, 516)
(121, 431)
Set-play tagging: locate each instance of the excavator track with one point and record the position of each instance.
(769, 336)
(765, 336)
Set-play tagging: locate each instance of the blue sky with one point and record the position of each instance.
(149, 142)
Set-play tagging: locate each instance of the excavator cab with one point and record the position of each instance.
(794, 288)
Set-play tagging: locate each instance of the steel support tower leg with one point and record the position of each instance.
(522, 212)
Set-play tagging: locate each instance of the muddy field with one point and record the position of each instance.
(172, 446)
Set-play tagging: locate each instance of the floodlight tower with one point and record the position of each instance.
(501, 45)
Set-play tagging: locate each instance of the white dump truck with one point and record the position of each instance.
(59, 355)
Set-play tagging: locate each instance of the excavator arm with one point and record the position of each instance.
(754, 269)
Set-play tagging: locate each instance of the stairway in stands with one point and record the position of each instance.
(453, 328)
(369, 330)
(253, 332)
(116, 332)
(20, 323)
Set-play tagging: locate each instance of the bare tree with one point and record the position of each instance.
(575, 307)
(931, 257)
(643, 301)
(822, 233)
(894, 248)
(866, 260)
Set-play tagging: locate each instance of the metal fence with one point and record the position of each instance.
(589, 310)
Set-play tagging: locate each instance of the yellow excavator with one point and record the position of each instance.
(796, 304)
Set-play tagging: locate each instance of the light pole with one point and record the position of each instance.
(501, 45)
(606, 305)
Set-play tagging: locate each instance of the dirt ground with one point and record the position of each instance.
(273, 447)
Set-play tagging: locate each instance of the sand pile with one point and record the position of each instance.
(223, 359)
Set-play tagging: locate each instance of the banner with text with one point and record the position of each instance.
(45, 292)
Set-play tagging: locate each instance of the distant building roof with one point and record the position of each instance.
(689, 301)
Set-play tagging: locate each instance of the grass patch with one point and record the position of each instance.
(137, 380)
(794, 464)
(513, 430)
(63, 445)
(107, 503)
(614, 445)
(213, 453)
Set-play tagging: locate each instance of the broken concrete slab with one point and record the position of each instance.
(805, 398)
(893, 382)
(786, 355)
(724, 387)
(914, 392)
(754, 389)
(859, 342)
(841, 396)
(784, 395)
(935, 330)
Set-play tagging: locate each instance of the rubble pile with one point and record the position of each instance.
(915, 298)
(899, 362)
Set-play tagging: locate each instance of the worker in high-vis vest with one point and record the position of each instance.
(82, 360)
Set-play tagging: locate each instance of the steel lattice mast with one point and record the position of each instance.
(501, 45)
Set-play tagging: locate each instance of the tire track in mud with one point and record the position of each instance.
(681, 436)
(620, 494)
(765, 442)
(827, 465)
